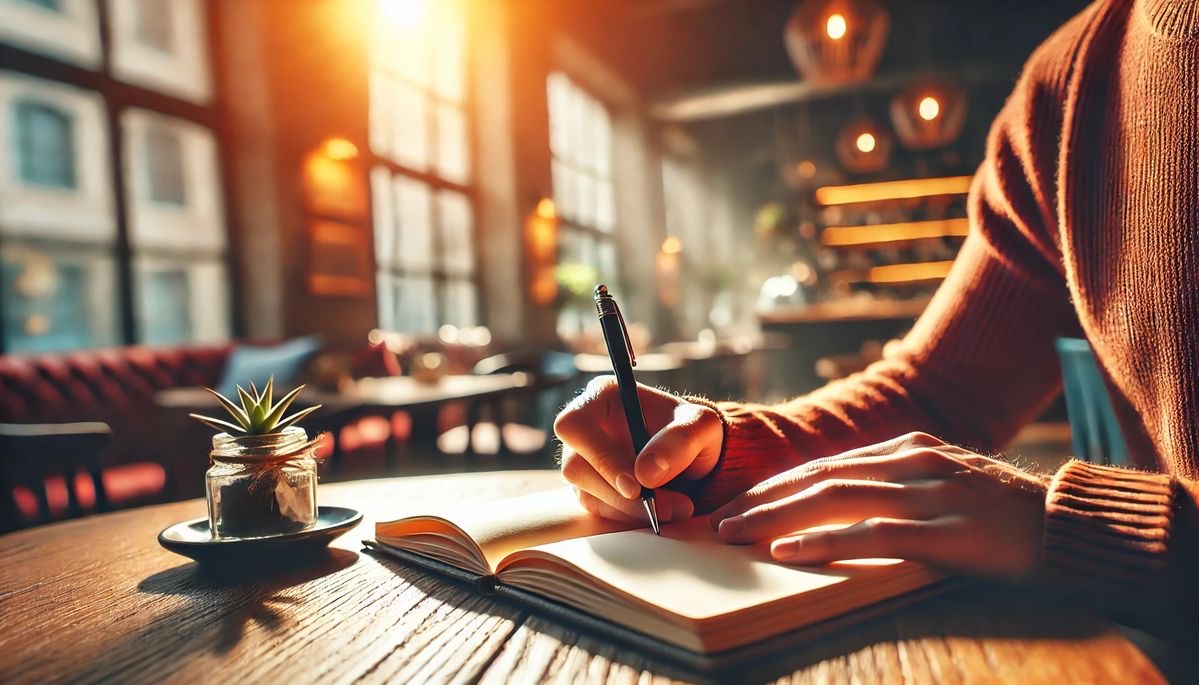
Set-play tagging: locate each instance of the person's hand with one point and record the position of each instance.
(913, 498)
(597, 451)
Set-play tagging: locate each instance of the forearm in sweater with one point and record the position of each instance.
(980, 362)
(969, 373)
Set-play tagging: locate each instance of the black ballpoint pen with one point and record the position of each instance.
(620, 351)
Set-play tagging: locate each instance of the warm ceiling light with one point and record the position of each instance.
(403, 14)
(806, 168)
(339, 149)
(546, 208)
(893, 190)
(866, 142)
(672, 245)
(836, 26)
(929, 108)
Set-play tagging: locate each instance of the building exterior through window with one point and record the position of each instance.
(72, 277)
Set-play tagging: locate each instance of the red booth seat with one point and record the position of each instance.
(115, 386)
(125, 485)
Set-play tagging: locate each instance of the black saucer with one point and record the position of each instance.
(194, 538)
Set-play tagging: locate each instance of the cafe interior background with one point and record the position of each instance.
(351, 191)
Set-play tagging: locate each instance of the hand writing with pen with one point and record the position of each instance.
(912, 497)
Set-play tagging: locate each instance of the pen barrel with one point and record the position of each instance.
(623, 368)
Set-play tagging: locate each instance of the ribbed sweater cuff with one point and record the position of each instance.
(750, 452)
(1107, 533)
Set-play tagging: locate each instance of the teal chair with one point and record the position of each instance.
(1094, 430)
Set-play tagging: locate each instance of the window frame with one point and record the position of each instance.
(118, 96)
(439, 276)
(570, 223)
(573, 223)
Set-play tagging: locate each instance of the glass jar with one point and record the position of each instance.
(260, 485)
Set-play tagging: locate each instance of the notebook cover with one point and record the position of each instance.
(645, 643)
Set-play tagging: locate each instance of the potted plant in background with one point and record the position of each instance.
(262, 480)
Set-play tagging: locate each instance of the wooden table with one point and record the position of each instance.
(98, 599)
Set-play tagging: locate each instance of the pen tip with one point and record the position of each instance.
(651, 508)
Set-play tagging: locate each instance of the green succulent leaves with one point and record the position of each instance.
(255, 415)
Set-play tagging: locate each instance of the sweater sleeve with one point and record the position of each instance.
(1108, 537)
(980, 362)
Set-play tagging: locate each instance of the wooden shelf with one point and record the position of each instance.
(848, 310)
(892, 190)
(895, 274)
(893, 234)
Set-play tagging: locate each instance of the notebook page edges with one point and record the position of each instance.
(497, 528)
(689, 573)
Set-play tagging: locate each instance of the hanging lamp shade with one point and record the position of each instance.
(863, 146)
(928, 115)
(836, 41)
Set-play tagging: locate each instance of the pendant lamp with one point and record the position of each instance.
(863, 146)
(928, 115)
(836, 41)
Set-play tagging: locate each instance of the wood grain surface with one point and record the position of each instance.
(97, 599)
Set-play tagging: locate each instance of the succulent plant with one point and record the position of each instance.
(256, 415)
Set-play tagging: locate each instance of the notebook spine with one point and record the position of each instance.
(486, 584)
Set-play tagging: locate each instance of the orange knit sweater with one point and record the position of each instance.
(1084, 220)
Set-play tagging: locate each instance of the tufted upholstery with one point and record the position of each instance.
(97, 384)
(116, 386)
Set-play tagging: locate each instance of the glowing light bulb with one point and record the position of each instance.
(866, 142)
(339, 149)
(546, 209)
(929, 108)
(836, 26)
(672, 245)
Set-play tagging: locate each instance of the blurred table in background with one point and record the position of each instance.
(718, 369)
(831, 329)
(363, 398)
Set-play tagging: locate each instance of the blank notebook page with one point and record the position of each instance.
(690, 572)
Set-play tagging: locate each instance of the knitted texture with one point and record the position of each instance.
(1107, 535)
(1084, 221)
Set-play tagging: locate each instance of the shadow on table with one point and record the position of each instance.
(218, 606)
(980, 611)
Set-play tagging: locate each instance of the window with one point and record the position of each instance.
(52, 5)
(45, 145)
(154, 25)
(176, 229)
(162, 46)
(581, 151)
(164, 162)
(161, 320)
(71, 276)
(67, 30)
(57, 297)
(420, 192)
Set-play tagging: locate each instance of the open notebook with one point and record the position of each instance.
(685, 588)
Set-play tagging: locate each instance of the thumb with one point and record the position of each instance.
(689, 444)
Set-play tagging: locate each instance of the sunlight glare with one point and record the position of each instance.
(405, 15)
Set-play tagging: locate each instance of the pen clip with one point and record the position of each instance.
(628, 342)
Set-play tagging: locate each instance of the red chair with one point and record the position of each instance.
(55, 471)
